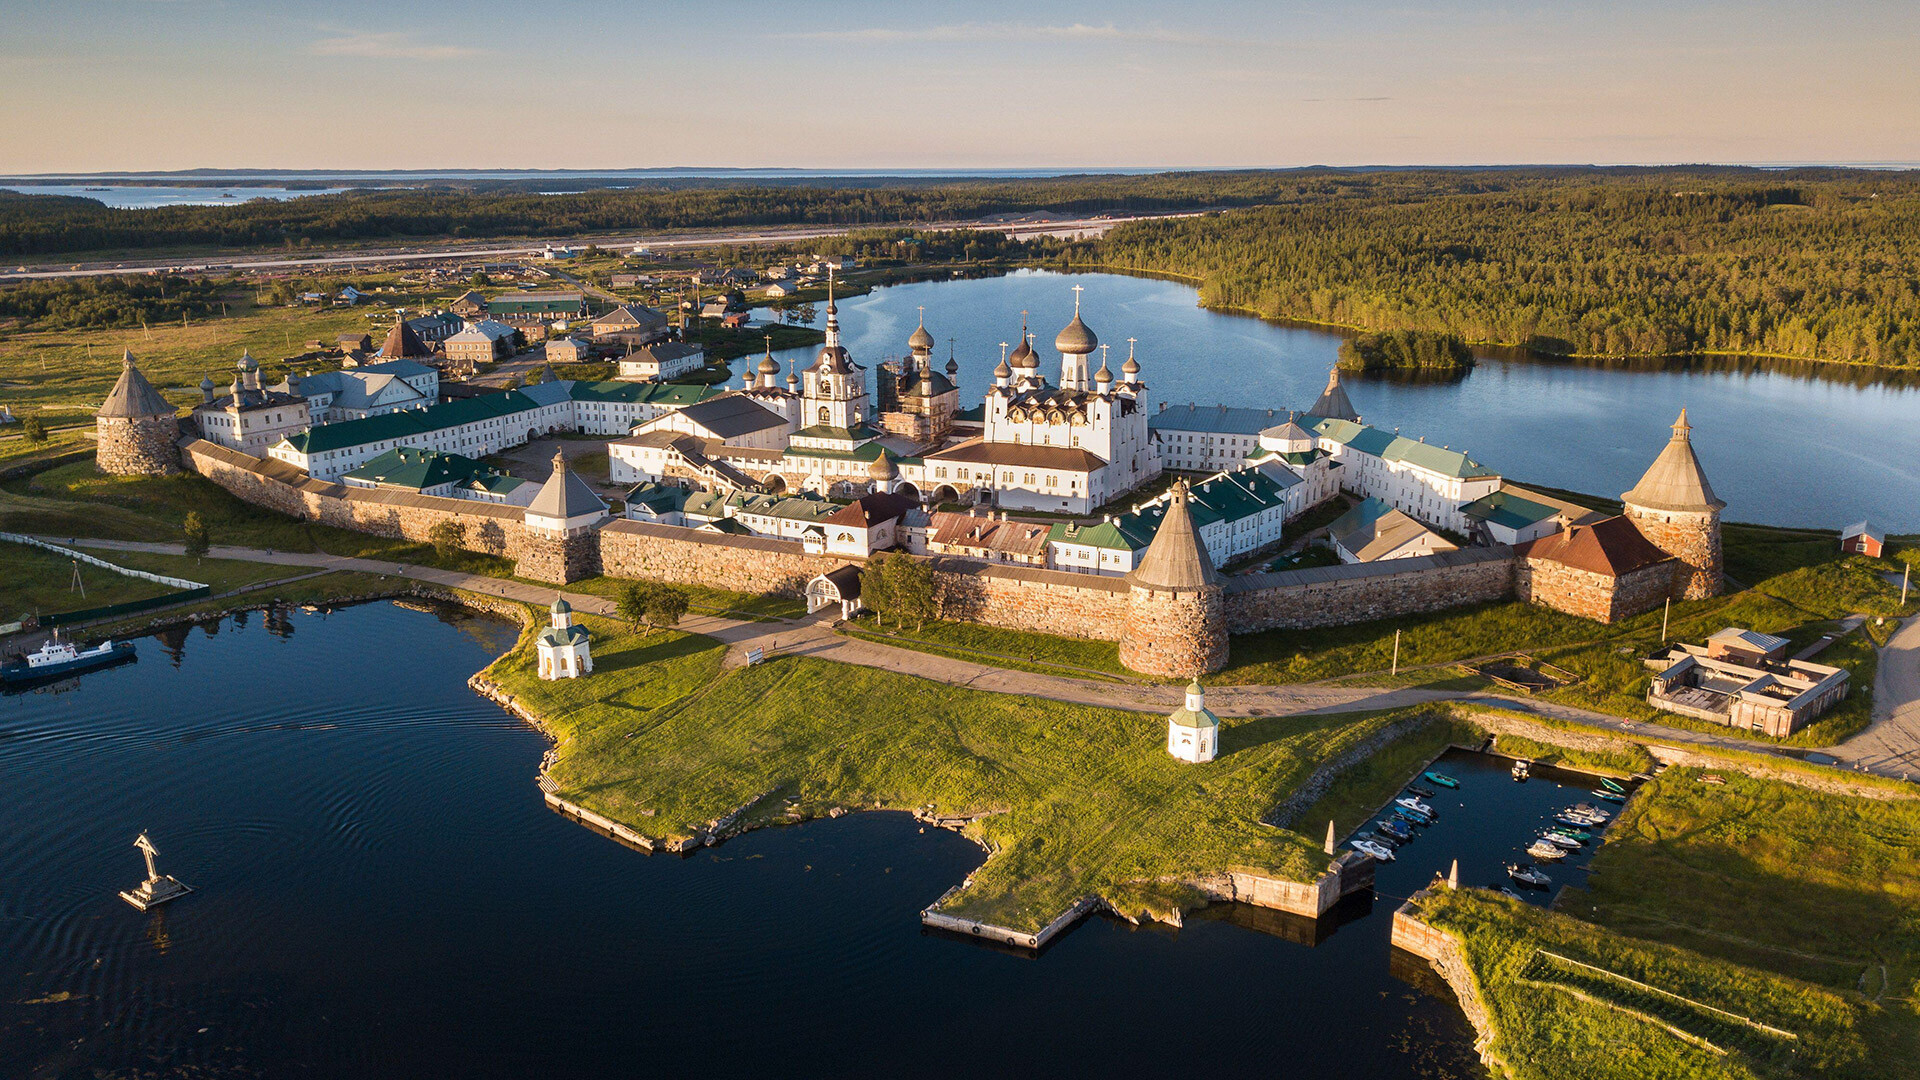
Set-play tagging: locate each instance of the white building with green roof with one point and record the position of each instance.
(564, 648)
(1193, 732)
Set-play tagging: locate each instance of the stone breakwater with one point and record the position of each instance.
(1439, 949)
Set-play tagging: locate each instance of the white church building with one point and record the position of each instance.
(563, 647)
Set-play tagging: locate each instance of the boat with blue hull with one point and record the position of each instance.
(59, 659)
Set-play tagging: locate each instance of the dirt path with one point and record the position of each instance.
(1896, 751)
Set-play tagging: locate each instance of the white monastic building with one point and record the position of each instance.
(1193, 732)
(565, 652)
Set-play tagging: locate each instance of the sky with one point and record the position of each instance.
(88, 85)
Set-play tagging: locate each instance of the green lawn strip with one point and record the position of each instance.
(1546, 1029)
(326, 588)
(755, 607)
(1804, 883)
(1078, 800)
(1288, 656)
(1359, 791)
(40, 582)
(1026, 650)
(21, 451)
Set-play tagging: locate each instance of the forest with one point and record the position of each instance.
(108, 302)
(1824, 269)
(1403, 350)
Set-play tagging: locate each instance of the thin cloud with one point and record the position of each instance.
(1007, 33)
(390, 45)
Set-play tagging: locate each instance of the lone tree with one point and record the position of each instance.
(447, 536)
(34, 428)
(631, 604)
(876, 592)
(899, 587)
(196, 531)
(666, 606)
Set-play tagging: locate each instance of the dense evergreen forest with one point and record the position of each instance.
(1824, 267)
(1406, 350)
(107, 302)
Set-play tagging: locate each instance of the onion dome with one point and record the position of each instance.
(206, 386)
(1130, 368)
(1002, 371)
(953, 368)
(1077, 339)
(769, 366)
(921, 341)
(560, 606)
(1024, 356)
(793, 380)
(247, 362)
(883, 468)
(1103, 377)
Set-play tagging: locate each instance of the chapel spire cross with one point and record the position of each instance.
(1077, 290)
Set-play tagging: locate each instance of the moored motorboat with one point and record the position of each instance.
(1521, 770)
(1442, 779)
(1395, 828)
(60, 658)
(1581, 835)
(1610, 796)
(1414, 816)
(1611, 785)
(1425, 793)
(1505, 890)
(1572, 821)
(1368, 847)
(1391, 843)
(1541, 849)
(1590, 810)
(1560, 839)
(1528, 875)
(1414, 804)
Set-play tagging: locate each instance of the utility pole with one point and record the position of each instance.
(1396, 653)
(1904, 576)
(1664, 613)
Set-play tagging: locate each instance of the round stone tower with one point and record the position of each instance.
(1176, 621)
(1674, 506)
(136, 428)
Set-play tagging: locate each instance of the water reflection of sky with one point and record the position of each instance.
(1780, 447)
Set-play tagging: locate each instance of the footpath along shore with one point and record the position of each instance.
(1891, 747)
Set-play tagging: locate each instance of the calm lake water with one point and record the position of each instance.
(1781, 447)
(382, 893)
(140, 197)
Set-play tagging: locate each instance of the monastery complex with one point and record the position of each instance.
(787, 480)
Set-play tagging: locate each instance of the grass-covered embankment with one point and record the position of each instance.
(34, 580)
(1074, 801)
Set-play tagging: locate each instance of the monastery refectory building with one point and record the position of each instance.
(820, 459)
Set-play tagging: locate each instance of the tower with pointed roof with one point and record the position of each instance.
(835, 395)
(1674, 506)
(561, 542)
(1176, 621)
(136, 427)
(1334, 403)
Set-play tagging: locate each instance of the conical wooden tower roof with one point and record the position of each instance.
(564, 495)
(133, 395)
(1334, 403)
(1675, 481)
(1176, 559)
(402, 343)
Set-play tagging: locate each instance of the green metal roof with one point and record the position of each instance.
(1506, 509)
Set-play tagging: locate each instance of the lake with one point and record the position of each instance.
(381, 892)
(146, 197)
(1809, 446)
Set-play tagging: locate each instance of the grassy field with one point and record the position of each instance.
(39, 581)
(77, 500)
(1793, 907)
(64, 369)
(761, 607)
(1288, 656)
(1810, 885)
(1077, 800)
(1047, 654)
(18, 450)
(1557, 1020)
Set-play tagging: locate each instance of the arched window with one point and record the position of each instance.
(824, 415)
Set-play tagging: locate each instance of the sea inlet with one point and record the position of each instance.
(381, 892)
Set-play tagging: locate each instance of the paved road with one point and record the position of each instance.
(1893, 751)
(1020, 231)
(1892, 745)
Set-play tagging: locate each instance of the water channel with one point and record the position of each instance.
(381, 892)
(1784, 444)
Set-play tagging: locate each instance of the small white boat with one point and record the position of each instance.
(1368, 847)
(1592, 811)
(58, 657)
(1414, 805)
(1560, 839)
(1521, 770)
(1541, 849)
(1528, 875)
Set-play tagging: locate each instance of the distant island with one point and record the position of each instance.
(1406, 350)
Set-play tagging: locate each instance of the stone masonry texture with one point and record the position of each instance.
(137, 445)
(1693, 537)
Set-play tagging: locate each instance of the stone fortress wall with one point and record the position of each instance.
(1089, 606)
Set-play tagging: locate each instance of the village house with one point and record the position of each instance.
(1860, 538)
(630, 324)
(536, 307)
(568, 350)
(657, 363)
(483, 342)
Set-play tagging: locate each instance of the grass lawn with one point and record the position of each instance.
(78, 500)
(1817, 886)
(20, 451)
(1020, 649)
(1077, 800)
(756, 607)
(1288, 656)
(34, 581)
(1556, 1020)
